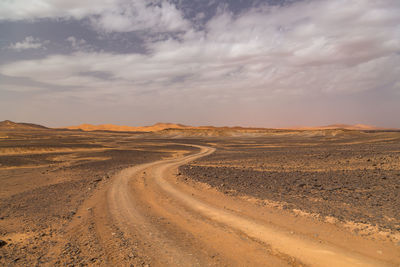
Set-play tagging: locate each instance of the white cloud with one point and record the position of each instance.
(28, 43)
(79, 44)
(39, 9)
(304, 48)
(139, 15)
(105, 15)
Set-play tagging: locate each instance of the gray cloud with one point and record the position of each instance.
(286, 48)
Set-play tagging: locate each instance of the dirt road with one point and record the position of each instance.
(149, 214)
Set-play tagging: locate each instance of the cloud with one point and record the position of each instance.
(79, 44)
(139, 15)
(105, 15)
(305, 48)
(39, 9)
(28, 43)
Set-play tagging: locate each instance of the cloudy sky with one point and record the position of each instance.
(270, 63)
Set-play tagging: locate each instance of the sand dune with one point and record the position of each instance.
(172, 126)
(119, 128)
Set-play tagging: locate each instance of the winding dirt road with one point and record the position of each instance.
(148, 214)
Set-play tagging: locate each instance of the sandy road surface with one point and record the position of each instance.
(149, 216)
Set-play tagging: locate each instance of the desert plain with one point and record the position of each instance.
(171, 195)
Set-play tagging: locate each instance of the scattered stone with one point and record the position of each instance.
(310, 182)
(2, 243)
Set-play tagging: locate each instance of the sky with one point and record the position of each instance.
(270, 63)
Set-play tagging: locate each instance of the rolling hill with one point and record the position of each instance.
(10, 125)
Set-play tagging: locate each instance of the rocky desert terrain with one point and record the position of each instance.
(350, 176)
(46, 175)
(202, 197)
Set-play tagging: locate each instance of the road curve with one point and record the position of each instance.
(180, 225)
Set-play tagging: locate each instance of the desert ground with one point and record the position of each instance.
(199, 197)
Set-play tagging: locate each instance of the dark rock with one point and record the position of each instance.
(2, 243)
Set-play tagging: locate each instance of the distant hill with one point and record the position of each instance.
(360, 127)
(213, 130)
(10, 125)
(118, 128)
(172, 129)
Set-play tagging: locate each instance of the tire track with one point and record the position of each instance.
(140, 193)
